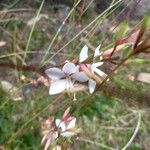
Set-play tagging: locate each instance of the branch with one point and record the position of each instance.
(31, 68)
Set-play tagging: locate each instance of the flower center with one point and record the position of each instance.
(69, 83)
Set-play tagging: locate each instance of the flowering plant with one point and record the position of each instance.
(54, 129)
(65, 78)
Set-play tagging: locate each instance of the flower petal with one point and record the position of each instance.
(57, 122)
(57, 87)
(80, 76)
(69, 84)
(54, 73)
(97, 52)
(67, 134)
(83, 54)
(71, 124)
(92, 85)
(62, 126)
(69, 68)
(55, 135)
(47, 144)
(66, 112)
(97, 64)
(44, 139)
(99, 72)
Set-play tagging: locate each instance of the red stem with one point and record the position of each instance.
(31, 68)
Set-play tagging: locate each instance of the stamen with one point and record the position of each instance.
(74, 97)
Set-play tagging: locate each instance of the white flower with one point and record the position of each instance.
(84, 53)
(66, 129)
(55, 129)
(93, 67)
(65, 78)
